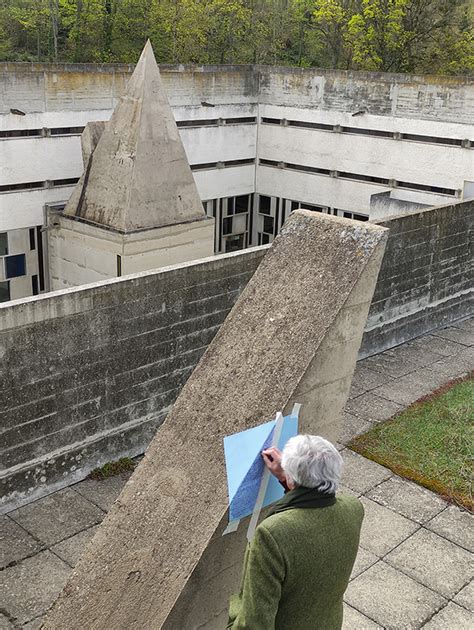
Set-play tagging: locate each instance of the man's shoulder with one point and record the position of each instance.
(346, 504)
(349, 502)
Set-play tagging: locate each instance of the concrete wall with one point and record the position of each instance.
(80, 253)
(426, 279)
(88, 374)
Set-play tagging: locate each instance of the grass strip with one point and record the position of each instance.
(430, 443)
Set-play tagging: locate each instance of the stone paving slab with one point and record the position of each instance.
(439, 345)
(391, 598)
(30, 588)
(389, 363)
(454, 366)
(102, 492)
(434, 562)
(408, 499)
(58, 516)
(71, 549)
(420, 359)
(15, 542)
(360, 474)
(372, 408)
(456, 525)
(352, 426)
(355, 391)
(464, 337)
(465, 597)
(383, 529)
(467, 324)
(403, 391)
(368, 379)
(364, 560)
(354, 620)
(451, 617)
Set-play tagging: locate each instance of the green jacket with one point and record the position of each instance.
(297, 568)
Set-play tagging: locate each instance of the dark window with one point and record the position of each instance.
(244, 120)
(235, 243)
(227, 225)
(241, 204)
(4, 291)
(119, 265)
(295, 205)
(203, 122)
(230, 205)
(308, 206)
(264, 204)
(268, 225)
(271, 121)
(32, 238)
(24, 186)
(431, 139)
(308, 169)
(364, 178)
(3, 243)
(39, 240)
(310, 125)
(65, 182)
(18, 133)
(264, 162)
(265, 239)
(204, 166)
(360, 217)
(239, 162)
(34, 285)
(66, 131)
(368, 132)
(435, 189)
(15, 266)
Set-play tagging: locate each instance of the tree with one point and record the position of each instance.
(377, 34)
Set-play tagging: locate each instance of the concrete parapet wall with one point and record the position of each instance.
(88, 374)
(426, 279)
(38, 87)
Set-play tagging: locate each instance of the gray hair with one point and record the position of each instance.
(312, 462)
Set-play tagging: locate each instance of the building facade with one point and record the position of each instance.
(261, 142)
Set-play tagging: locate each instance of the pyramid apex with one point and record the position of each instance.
(138, 176)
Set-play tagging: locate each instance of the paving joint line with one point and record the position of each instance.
(448, 598)
(364, 614)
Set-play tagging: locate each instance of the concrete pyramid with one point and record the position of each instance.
(138, 177)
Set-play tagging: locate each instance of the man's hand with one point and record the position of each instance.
(272, 458)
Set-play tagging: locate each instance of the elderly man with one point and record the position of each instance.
(298, 564)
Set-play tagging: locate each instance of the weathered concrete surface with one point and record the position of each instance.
(90, 138)
(138, 176)
(141, 558)
(425, 281)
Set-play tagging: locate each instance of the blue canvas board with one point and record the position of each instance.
(241, 450)
(244, 500)
(245, 465)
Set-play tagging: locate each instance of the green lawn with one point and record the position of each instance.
(431, 442)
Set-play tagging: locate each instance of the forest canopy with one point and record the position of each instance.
(429, 36)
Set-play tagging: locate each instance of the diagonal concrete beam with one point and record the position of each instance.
(316, 279)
